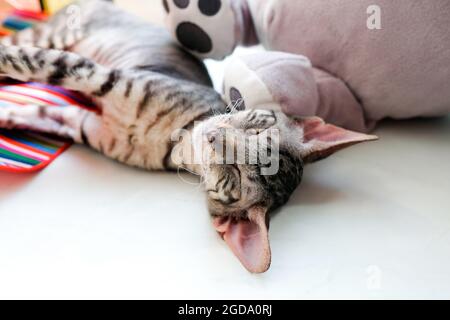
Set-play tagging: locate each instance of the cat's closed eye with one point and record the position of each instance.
(257, 121)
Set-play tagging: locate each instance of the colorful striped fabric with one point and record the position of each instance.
(14, 20)
(48, 6)
(27, 151)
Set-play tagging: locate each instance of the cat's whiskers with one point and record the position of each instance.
(236, 105)
(232, 107)
(197, 184)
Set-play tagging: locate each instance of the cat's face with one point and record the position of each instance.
(249, 158)
(252, 162)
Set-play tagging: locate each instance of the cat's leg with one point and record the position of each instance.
(44, 36)
(58, 33)
(73, 122)
(60, 68)
(61, 31)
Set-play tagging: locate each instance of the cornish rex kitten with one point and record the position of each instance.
(147, 89)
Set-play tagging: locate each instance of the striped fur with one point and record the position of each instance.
(146, 86)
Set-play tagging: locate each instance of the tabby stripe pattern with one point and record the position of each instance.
(24, 151)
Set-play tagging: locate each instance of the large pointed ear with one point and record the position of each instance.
(321, 140)
(248, 238)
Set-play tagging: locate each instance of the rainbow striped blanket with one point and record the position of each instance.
(28, 151)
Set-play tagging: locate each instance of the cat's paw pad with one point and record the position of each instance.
(204, 27)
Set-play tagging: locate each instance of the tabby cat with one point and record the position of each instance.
(147, 88)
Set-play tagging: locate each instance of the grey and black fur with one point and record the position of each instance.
(146, 88)
(144, 84)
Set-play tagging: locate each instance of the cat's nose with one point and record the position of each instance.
(211, 136)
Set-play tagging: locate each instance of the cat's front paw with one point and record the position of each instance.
(204, 27)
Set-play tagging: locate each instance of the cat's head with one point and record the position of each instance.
(252, 162)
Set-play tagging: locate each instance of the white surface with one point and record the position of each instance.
(371, 222)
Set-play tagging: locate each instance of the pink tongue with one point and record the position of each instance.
(249, 241)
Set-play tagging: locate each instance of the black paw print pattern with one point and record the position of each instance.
(189, 34)
(209, 7)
